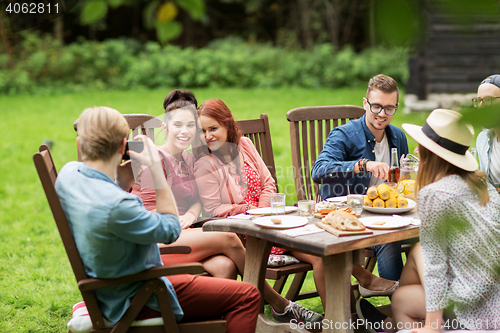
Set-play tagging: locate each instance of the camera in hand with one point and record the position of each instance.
(135, 145)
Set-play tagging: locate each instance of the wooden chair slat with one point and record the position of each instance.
(326, 118)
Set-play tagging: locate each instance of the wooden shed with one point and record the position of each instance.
(459, 50)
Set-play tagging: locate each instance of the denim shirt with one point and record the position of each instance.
(115, 235)
(484, 144)
(346, 145)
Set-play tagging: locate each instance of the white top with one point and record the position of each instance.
(381, 155)
(461, 250)
(494, 172)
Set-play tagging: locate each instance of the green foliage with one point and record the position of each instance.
(92, 11)
(45, 66)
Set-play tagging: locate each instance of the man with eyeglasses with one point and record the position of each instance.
(357, 155)
(488, 141)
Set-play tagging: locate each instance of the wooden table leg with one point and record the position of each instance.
(255, 272)
(256, 262)
(338, 270)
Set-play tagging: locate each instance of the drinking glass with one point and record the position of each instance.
(306, 207)
(278, 203)
(355, 202)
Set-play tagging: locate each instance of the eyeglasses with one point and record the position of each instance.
(375, 108)
(487, 101)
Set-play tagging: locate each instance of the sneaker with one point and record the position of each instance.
(372, 317)
(296, 311)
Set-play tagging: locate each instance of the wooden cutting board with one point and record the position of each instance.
(340, 233)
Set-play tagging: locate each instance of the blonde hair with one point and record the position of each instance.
(432, 168)
(101, 131)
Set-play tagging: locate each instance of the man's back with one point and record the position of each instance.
(115, 235)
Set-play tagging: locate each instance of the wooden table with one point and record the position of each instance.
(338, 254)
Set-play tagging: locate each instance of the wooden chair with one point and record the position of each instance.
(152, 282)
(138, 123)
(309, 129)
(258, 131)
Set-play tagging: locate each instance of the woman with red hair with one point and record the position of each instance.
(232, 177)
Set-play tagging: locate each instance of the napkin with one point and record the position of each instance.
(306, 230)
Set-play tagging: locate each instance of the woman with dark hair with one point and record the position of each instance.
(452, 275)
(219, 252)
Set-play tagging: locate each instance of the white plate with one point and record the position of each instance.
(391, 222)
(287, 221)
(342, 199)
(267, 210)
(378, 210)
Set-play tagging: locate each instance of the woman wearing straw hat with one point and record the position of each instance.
(454, 272)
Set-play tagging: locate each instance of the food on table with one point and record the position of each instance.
(383, 191)
(342, 220)
(378, 223)
(378, 203)
(276, 220)
(372, 193)
(392, 202)
(393, 199)
(347, 210)
(402, 202)
(323, 208)
(325, 205)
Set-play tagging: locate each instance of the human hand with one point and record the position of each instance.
(149, 154)
(186, 220)
(378, 169)
(124, 175)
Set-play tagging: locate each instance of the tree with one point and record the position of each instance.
(157, 14)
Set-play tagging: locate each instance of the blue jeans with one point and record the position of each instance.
(390, 263)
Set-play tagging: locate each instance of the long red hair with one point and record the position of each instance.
(218, 110)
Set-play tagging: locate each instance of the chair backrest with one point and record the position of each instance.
(47, 173)
(257, 130)
(309, 129)
(138, 123)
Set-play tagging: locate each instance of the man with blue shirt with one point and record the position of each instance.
(357, 155)
(116, 236)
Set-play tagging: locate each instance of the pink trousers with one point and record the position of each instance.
(204, 298)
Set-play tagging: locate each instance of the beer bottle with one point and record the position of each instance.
(394, 168)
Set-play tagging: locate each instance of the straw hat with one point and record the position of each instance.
(446, 137)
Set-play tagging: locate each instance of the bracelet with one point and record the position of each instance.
(365, 161)
(362, 164)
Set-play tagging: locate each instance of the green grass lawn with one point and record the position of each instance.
(37, 287)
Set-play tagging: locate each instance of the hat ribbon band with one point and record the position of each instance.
(443, 142)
